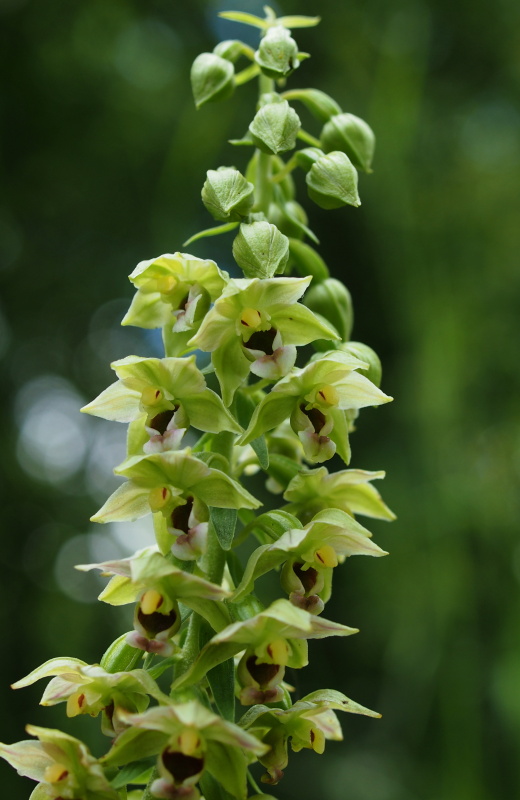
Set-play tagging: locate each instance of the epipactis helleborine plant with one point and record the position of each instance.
(196, 693)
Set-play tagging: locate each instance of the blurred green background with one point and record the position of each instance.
(103, 159)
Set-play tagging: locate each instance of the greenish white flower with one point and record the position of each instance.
(349, 490)
(179, 488)
(174, 292)
(255, 326)
(307, 724)
(272, 639)
(188, 739)
(161, 397)
(309, 556)
(89, 689)
(62, 765)
(315, 399)
(157, 585)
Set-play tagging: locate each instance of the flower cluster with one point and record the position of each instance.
(202, 643)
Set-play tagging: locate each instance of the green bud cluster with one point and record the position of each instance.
(202, 643)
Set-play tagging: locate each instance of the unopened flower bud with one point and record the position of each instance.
(352, 136)
(212, 78)
(275, 127)
(260, 250)
(365, 353)
(308, 262)
(332, 300)
(277, 54)
(230, 49)
(332, 181)
(227, 194)
(308, 156)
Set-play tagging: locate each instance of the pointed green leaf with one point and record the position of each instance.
(218, 229)
(221, 680)
(224, 521)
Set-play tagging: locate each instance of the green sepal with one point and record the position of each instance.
(330, 698)
(331, 299)
(352, 136)
(332, 181)
(260, 250)
(321, 105)
(275, 127)
(308, 261)
(212, 78)
(227, 195)
(224, 521)
(128, 503)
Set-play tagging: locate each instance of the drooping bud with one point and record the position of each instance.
(275, 127)
(332, 182)
(365, 353)
(231, 49)
(227, 194)
(277, 55)
(352, 136)
(332, 300)
(260, 250)
(212, 78)
(308, 262)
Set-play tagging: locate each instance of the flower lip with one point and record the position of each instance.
(181, 767)
(262, 341)
(316, 417)
(263, 674)
(161, 420)
(307, 577)
(156, 622)
(180, 516)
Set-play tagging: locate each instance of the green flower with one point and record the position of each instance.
(309, 555)
(157, 585)
(254, 326)
(177, 488)
(349, 490)
(272, 639)
(89, 689)
(162, 397)
(308, 724)
(174, 292)
(62, 765)
(189, 739)
(315, 399)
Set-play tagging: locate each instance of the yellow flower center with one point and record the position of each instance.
(278, 651)
(317, 739)
(326, 555)
(151, 396)
(159, 497)
(166, 284)
(250, 318)
(75, 704)
(151, 601)
(54, 773)
(327, 395)
(189, 741)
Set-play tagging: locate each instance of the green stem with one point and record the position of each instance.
(214, 557)
(254, 783)
(308, 138)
